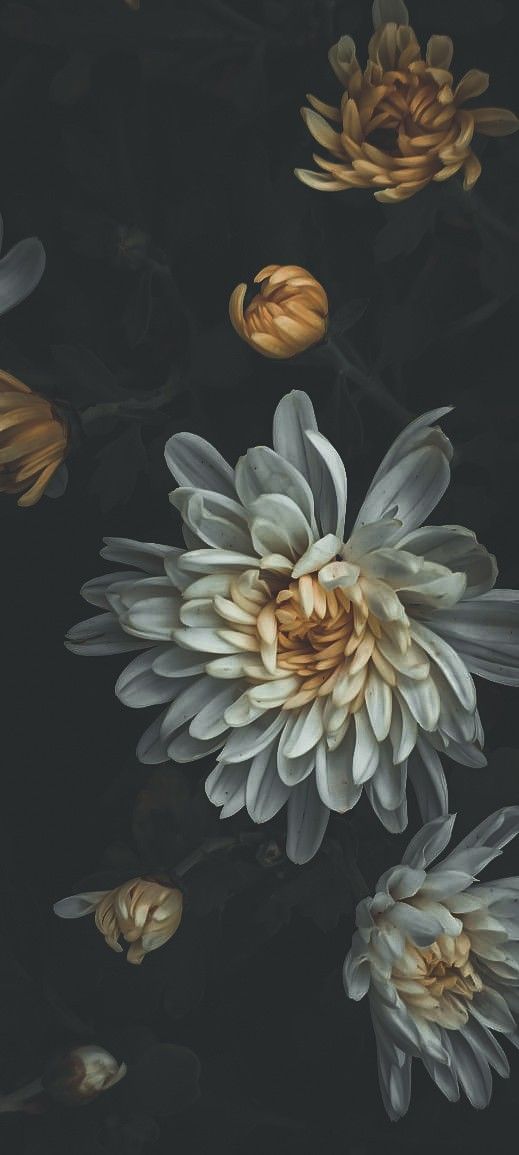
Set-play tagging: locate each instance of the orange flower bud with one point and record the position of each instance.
(288, 315)
(145, 913)
(33, 440)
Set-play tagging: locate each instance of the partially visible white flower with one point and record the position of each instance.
(21, 271)
(145, 913)
(316, 662)
(438, 953)
(81, 1074)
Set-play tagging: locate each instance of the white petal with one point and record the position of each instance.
(372, 537)
(145, 555)
(428, 779)
(101, 636)
(303, 730)
(356, 972)
(492, 1010)
(77, 905)
(471, 1068)
(154, 618)
(318, 554)
(403, 730)
(278, 526)
(366, 754)
(210, 720)
(331, 504)
(193, 461)
(262, 470)
(307, 819)
(21, 271)
(213, 560)
(204, 640)
(378, 699)
(185, 748)
(420, 926)
(295, 415)
(423, 700)
(172, 662)
(215, 519)
(409, 490)
(334, 776)
(139, 685)
(152, 748)
(429, 842)
(389, 781)
(485, 633)
(247, 742)
(293, 770)
(196, 694)
(225, 783)
(266, 793)
(94, 591)
(458, 549)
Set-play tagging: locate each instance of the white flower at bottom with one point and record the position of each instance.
(317, 663)
(438, 953)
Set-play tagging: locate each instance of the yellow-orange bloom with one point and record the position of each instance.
(401, 122)
(288, 315)
(145, 913)
(33, 440)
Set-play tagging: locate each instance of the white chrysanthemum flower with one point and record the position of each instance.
(315, 665)
(439, 954)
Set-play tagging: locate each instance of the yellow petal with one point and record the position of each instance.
(495, 121)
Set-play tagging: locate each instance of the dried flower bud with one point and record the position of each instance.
(145, 913)
(80, 1075)
(34, 440)
(288, 315)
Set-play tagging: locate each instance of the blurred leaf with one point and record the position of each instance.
(321, 892)
(118, 466)
(86, 379)
(165, 1079)
(407, 225)
(137, 314)
(348, 315)
(73, 80)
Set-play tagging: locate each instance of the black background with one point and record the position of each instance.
(152, 152)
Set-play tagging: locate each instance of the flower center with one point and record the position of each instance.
(429, 977)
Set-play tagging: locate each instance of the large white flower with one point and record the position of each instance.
(438, 953)
(315, 666)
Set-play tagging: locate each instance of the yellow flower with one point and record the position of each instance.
(33, 440)
(146, 914)
(401, 122)
(288, 315)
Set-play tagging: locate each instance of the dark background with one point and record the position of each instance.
(152, 151)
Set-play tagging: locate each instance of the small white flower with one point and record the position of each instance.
(438, 953)
(315, 663)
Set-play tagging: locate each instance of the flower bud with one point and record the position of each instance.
(34, 440)
(288, 315)
(80, 1075)
(145, 913)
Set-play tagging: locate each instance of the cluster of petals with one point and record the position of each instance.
(34, 441)
(438, 953)
(315, 663)
(145, 913)
(402, 122)
(287, 316)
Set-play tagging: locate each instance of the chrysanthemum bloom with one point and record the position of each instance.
(288, 315)
(34, 440)
(402, 122)
(438, 953)
(80, 1075)
(315, 662)
(145, 913)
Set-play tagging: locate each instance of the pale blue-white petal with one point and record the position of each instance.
(195, 462)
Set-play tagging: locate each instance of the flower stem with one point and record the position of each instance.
(213, 846)
(369, 383)
(128, 409)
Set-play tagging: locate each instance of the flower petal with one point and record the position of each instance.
(307, 819)
(21, 271)
(195, 462)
